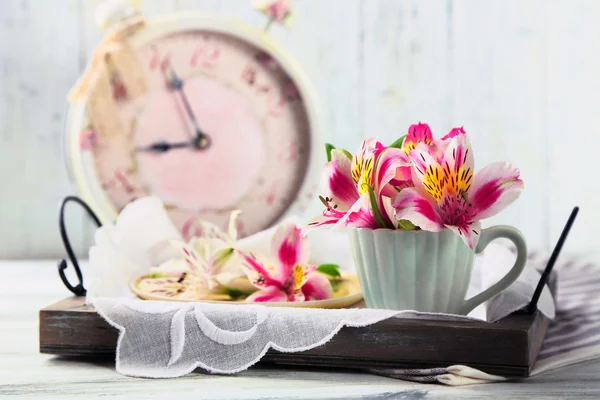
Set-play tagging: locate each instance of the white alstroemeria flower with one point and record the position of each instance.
(207, 265)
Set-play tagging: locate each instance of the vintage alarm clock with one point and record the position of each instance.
(208, 113)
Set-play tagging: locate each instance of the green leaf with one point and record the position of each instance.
(407, 225)
(398, 143)
(333, 284)
(375, 208)
(346, 153)
(328, 149)
(329, 269)
(234, 293)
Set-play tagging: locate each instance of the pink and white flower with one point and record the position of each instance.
(288, 276)
(418, 182)
(448, 194)
(206, 265)
(277, 10)
(349, 181)
(421, 133)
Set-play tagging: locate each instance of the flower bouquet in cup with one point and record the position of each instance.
(413, 210)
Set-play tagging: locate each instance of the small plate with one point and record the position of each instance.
(347, 293)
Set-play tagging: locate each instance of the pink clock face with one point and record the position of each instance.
(200, 85)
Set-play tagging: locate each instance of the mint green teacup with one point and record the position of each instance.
(425, 271)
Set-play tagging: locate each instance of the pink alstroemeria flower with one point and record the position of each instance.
(417, 134)
(347, 181)
(289, 277)
(278, 10)
(447, 193)
(421, 133)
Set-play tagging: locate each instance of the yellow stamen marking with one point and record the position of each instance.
(463, 180)
(439, 180)
(357, 165)
(298, 276)
(410, 145)
(434, 180)
(362, 173)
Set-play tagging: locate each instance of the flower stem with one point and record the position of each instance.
(375, 208)
(268, 24)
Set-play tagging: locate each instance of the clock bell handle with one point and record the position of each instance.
(79, 289)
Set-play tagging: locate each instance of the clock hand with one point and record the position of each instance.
(201, 141)
(163, 147)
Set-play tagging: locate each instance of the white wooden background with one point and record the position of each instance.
(520, 76)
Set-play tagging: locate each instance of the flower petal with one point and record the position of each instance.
(338, 183)
(268, 294)
(454, 132)
(235, 280)
(416, 206)
(289, 248)
(392, 164)
(317, 287)
(439, 146)
(468, 232)
(417, 133)
(232, 228)
(363, 164)
(494, 188)
(428, 174)
(362, 174)
(458, 158)
(324, 220)
(206, 247)
(205, 229)
(300, 274)
(402, 180)
(259, 274)
(387, 211)
(369, 146)
(196, 263)
(296, 296)
(360, 215)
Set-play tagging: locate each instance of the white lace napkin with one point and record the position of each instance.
(169, 339)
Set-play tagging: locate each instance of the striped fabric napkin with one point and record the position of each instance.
(573, 335)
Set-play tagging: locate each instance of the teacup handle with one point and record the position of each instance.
(487, 236)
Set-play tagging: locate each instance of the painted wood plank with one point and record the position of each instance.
(326, 41)
(38, 62)
(407, 69)
(573, 128)
(499, 96)
(211, 6)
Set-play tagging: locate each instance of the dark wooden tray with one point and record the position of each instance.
(508, 347)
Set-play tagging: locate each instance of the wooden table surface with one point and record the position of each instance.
(27, 286)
